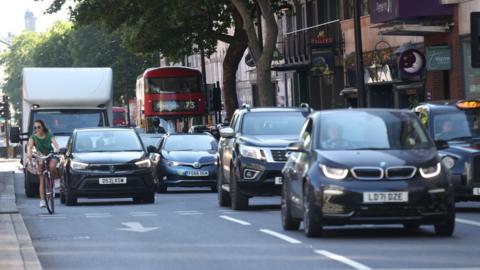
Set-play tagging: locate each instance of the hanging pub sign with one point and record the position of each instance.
(321, 38)
(323, 61)
(439, 58)
(411, 62)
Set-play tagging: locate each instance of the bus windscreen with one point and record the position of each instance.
(174, 85)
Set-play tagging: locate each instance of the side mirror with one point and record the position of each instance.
(152, 149)
(62, 151)
(296, 147)
(15, 134)
(227, 133)
(441, 144)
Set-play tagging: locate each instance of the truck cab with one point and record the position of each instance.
(455, 127)
(65, 99)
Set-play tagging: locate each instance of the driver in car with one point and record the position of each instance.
(447, 130)
(334, 138)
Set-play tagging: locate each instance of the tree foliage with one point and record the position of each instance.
(65, 46)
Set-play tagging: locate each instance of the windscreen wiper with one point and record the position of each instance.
(370, 148)
(461, 138)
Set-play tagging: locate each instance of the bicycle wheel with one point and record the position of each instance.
(49, 194)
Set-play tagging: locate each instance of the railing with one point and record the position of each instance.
(297, 43)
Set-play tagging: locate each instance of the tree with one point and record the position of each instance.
(262, 49)
(174, 28)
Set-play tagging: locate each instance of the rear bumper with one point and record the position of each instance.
(86, 184)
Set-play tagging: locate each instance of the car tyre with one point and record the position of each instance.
(239, 201)
(447, 227)
(311, 220)
(62, 197)
(31, 190)
(161, 188)
(149, 198)
(70, 198)
(223, 196)
(289, 223)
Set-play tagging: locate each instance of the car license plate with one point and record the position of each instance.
(197, 173)
(113, 181)
(476, 191)
(278, 180)
(385, 197)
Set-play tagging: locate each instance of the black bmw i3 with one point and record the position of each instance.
(369, 166)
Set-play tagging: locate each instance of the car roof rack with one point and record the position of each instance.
(246, 106)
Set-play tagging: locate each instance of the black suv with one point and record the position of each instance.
(252, 152)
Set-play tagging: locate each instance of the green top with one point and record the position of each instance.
(43, 145)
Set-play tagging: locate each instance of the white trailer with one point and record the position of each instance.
(65, 99)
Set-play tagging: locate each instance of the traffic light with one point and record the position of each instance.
(5, 108)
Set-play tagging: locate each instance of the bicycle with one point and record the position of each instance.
(49, 185)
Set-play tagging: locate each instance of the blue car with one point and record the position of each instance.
(187, 160)
(455, 127)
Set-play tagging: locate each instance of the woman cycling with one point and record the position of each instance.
(42, 140)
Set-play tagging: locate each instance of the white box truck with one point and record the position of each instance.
(65, 98)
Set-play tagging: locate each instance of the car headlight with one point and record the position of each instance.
(448, 161)
(430, 172)
(173, 163)
(77, 165)
(251, 152)
(334, 173)
(146, 163)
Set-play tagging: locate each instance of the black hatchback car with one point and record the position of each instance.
(366, 166)
(107, 163)
(455, 125)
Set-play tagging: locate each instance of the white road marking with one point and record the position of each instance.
(81, 238)
(47, 216)
(136, 227)
(241, 222)
(455, 268)
(281, 236)
(466, 221)
(98, 215)
(343, 259)
(143, 214)
(189, 213)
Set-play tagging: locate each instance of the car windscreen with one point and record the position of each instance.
(150, 140)
(190, 143)
(63, 122)
(456, 125)
(376, 130)
(273, 123)
(106, 141)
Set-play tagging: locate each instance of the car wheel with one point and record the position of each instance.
(31, 190)
(214, 188)
(149, 198)
(447, 227)
(62, 197)
(223, 196)
(161, 188)
(311, 219)
(70, 198)
(289, 223)
(239, 201)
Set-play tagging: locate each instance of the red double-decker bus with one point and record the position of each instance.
(168, 93)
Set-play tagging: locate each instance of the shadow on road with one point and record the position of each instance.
(361, 233)
(264, 207)
(463, 209)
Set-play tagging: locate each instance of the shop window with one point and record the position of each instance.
(471, 75)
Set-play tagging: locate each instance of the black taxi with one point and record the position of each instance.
(455, 127)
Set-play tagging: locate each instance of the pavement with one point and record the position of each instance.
(16, 248)
(185, 229)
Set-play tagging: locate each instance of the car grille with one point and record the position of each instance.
(367, 173)
(405, 172)
(279, 155)
(476, 169)
(109, 168)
